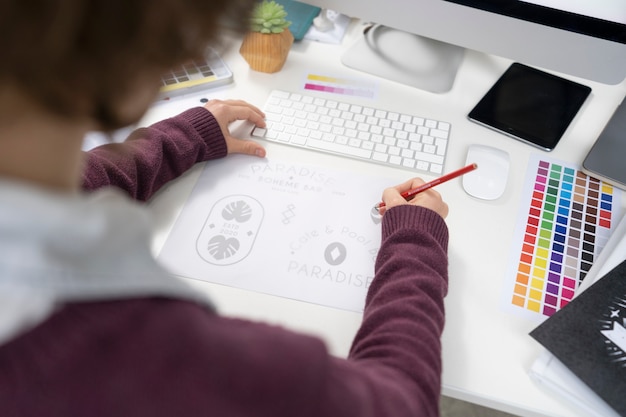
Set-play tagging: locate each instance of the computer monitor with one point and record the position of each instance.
(581, 38)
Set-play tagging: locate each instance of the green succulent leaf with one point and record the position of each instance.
(269, 17)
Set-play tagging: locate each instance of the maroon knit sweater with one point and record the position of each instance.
(166, 357)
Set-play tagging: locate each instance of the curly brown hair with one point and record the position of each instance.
(79, 57)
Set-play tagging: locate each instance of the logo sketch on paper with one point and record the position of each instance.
(238, 210)
(222, 248)
(289, 213)
(335, 253)
(230, 230)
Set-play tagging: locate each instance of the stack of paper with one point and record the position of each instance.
(585, 360)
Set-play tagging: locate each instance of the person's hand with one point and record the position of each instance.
(228, 111)
(430, 198)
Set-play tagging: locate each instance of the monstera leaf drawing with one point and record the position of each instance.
(222, 248)
(238, 211)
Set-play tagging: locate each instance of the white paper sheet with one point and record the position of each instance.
(297, 231)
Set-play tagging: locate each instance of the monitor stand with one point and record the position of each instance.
(409, 59)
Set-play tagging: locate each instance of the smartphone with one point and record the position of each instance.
(530, 105)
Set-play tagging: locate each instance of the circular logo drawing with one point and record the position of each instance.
(230, 230)
(335, 253)
(238, 211)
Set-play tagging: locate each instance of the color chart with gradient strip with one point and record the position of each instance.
(567, 222)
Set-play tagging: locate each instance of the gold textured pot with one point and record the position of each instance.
(266, 52)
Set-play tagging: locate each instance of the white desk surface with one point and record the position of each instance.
(486, 350)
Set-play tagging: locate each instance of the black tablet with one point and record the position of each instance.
(530, 105)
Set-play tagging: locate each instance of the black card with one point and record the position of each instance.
(588, 336)
(530, 105)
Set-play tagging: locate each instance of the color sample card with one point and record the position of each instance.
(342, 86)
(566, 220)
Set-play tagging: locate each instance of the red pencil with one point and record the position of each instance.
(408, 194)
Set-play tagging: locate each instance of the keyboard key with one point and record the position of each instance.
(259, 132)
(340, 149)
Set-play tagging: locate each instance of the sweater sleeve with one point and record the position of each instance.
(157, 356)
(394, 366)
(152, 156)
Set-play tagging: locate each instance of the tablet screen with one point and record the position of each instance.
(531, 105)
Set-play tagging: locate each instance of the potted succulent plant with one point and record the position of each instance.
(266, 46)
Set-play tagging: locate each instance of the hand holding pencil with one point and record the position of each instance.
(418, 192)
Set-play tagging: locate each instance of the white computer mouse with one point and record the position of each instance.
(488, 181)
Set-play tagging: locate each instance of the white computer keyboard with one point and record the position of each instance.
(361, 132)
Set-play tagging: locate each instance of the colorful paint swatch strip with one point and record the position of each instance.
(341, 86)
(569, 220)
